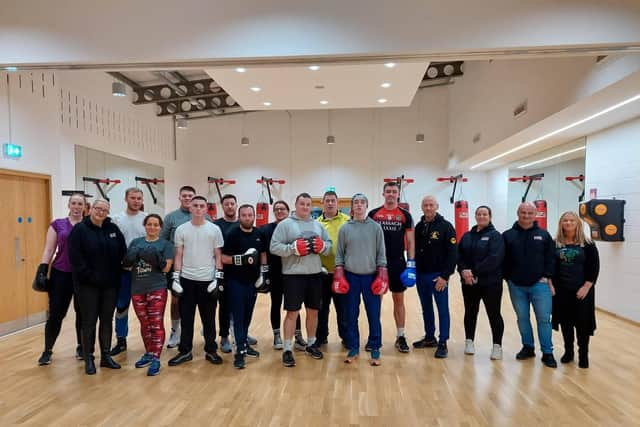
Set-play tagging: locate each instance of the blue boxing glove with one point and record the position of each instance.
(408, 276)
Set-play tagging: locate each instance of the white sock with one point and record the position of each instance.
(400, 332)
(311, 341)
(288, 345)
(276, 331)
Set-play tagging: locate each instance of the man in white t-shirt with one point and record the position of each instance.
(130, 223)
(197, 280)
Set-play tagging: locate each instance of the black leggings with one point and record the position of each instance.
(96, 303)
(568, 336)
(276, 293)
(492, 298)
(60, 294)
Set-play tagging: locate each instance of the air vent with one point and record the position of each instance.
(476, 138)
(520, 110)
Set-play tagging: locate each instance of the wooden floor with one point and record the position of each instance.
(408, 389)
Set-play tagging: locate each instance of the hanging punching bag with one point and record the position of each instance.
(262, 214)
(461, 214)
(541, 213)
(212, 210)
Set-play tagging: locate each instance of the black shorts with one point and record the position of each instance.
(395, 284)
(299, 288)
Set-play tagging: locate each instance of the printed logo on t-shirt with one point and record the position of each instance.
(537, 238)
(484, 238)
(112, 235)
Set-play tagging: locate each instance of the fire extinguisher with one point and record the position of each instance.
(461, 207)
(541, 213)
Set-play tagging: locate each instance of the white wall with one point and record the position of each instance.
(497, 195)
(120, 31)
(98, 164)
(370, 145)
(612, 167)
(561, 195)
(49, 113)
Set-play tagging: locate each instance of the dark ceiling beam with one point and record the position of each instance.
(195, 104)
(440, 70)
(186, 90)
(124, 79)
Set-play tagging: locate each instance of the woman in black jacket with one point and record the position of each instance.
(480, 255)
(576, 271)
(96, 250)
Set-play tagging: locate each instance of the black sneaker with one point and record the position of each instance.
(180, 358)
(213, 357)
(441, 352)
(238, 361)
(121, 346)
(79, 355)
(300, 344)
(89, 366)
(526, 353)
(45, 358)
(425, 343)
(314, 351)
(401, 345)
(549, 361)
(287, 359)
(567, 357)
(368, 348)
(107, 362)
(252, 352)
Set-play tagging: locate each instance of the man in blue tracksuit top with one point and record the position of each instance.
(436, 254)
(528, 265)
(361, 269)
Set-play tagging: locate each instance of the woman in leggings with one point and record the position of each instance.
(480, 255)
(150, 258)
(281, 211)
(60, 289)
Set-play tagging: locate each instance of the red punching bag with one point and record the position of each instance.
(262, 214)
(541, 213)
(212, 210)
(461, 213)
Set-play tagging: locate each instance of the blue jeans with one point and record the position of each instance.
(360, 284)
(241, 297)
(538, 295)
(426, 291)
(122, 305)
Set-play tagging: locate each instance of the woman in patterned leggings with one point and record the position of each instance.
(149, 258)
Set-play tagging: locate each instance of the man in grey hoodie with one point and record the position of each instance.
(300, 240)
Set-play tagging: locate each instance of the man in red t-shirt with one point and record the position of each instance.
(397, 226)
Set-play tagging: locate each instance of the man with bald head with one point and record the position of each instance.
(528, 265)
(436, 254)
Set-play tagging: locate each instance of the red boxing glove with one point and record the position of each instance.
(317, 244)
(340, 284)
(302, 247)
(380, 285)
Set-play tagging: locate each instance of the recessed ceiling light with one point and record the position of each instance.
(266, 104)
(323, 102)
(390, 64)
(255, 89)
(382, 100)
(385, 85)
(314, 67)
(241, 70)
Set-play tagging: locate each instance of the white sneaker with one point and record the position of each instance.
(496, 352)
(469, 348)
(174, 338)
(277, 342)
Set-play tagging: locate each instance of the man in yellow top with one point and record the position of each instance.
(331, 219)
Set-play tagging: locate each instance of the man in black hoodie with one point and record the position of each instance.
(528, 264)
(435, 261)
(96, 250)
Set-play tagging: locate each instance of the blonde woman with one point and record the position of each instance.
(576, 270)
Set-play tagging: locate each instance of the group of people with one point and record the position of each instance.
(108, 263)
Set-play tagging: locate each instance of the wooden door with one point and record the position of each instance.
(24, 218)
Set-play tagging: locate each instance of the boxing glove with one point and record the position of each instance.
(250, 257)
(217, 285)
(176, 287)
(340, 284)
(302, 247)
(151, 256)
(317, 244)
(40, 282)
(263, 284)
(380, 284)
(408, 276)
(131, 257)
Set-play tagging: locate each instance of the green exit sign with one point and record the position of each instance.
(12, 151)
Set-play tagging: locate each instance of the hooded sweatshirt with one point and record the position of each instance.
(283, 244)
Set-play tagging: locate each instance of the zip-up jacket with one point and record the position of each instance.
(482, 252)
(332, 225)
(96, 254)
(436, 250)
(529, 255)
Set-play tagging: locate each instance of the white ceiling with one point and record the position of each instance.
(296, 87)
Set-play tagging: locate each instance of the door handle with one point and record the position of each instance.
(17, 252)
